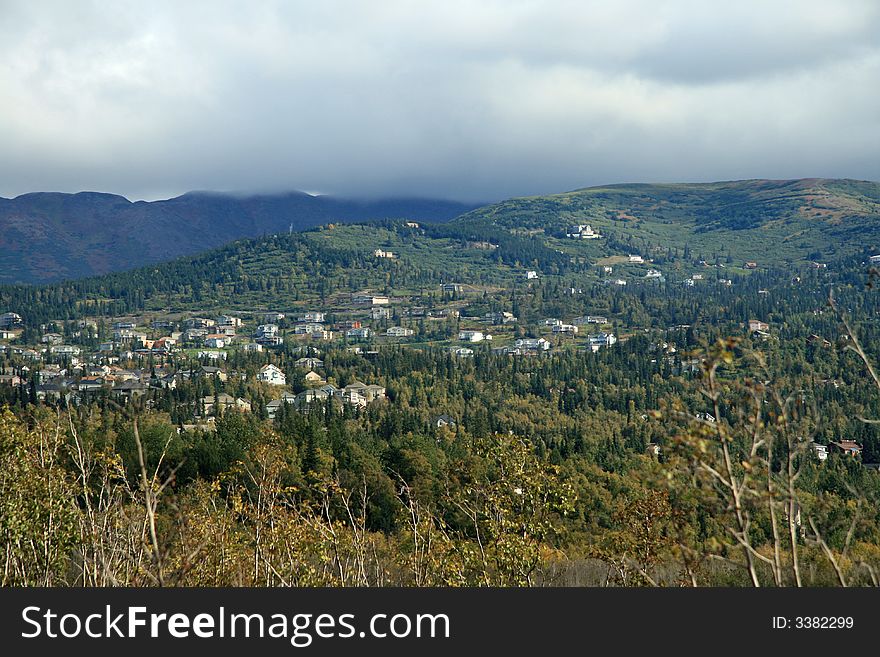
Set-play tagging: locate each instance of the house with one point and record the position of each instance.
(312, 317)
(229, 321)
(52, 338)
(471, 336)
(91, 384)
(462, 352)
(411, 224)
(6, 334)
(270, 340)
(10, 320)
(275, 405)
(565, 328)
(636, 259)
(379, 253)
(451, 287)
(51, 391)
(874, 260)
(654, 273)
(12, 380)
(253, 347)
(224, 402)
(161, 325)
(589, 319)
(267, 330)
(445, 421)
(192, 334)
(124, 325)
(272, 375)
(371, 299)
(847, 447)
(363, 333)
(751, 264)
(309, 363)
(361, 390)
(817, 339)
(212, 355)
(532, 344)
(313, 378)
(65, 350)
(582, 232)
(499, 318)
(552, 321)
(303, 400)
(818, 265)
(272, 318)
(212, 371)
(600, 340)
(621, 282)
(200, 323)
(757, 326)
(306, 329)
(380, 313)
(820, 451)
(530, 275)
(399, 332)
(216, 341)
(129, 389)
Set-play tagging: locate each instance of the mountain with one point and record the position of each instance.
(789, 220)
(48, 237)
(52, 236)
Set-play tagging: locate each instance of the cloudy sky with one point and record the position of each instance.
(457, 99)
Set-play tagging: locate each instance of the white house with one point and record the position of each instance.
(654, 273)
(565, 328)
(582, 232)
(532, 344)
(599, 340)
(253, 347)
(371, 299)
(272, 375)
(874, 260)
(310, 327)
(530, 275)
(636, 259)
(8, 320)
(379, 253)
(589, 319)
(362, 333)
(472, 336)
(312, 316)
(399, 332)
(229, 320)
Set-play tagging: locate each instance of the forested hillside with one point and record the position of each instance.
(482, 402)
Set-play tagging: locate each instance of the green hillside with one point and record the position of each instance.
(802, 219)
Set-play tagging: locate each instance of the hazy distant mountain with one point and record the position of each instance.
(51, 236)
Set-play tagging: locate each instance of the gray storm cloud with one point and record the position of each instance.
(467, 100)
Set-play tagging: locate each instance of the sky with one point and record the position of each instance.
(476, 100)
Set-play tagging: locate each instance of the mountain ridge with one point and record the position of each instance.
(50, 236)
